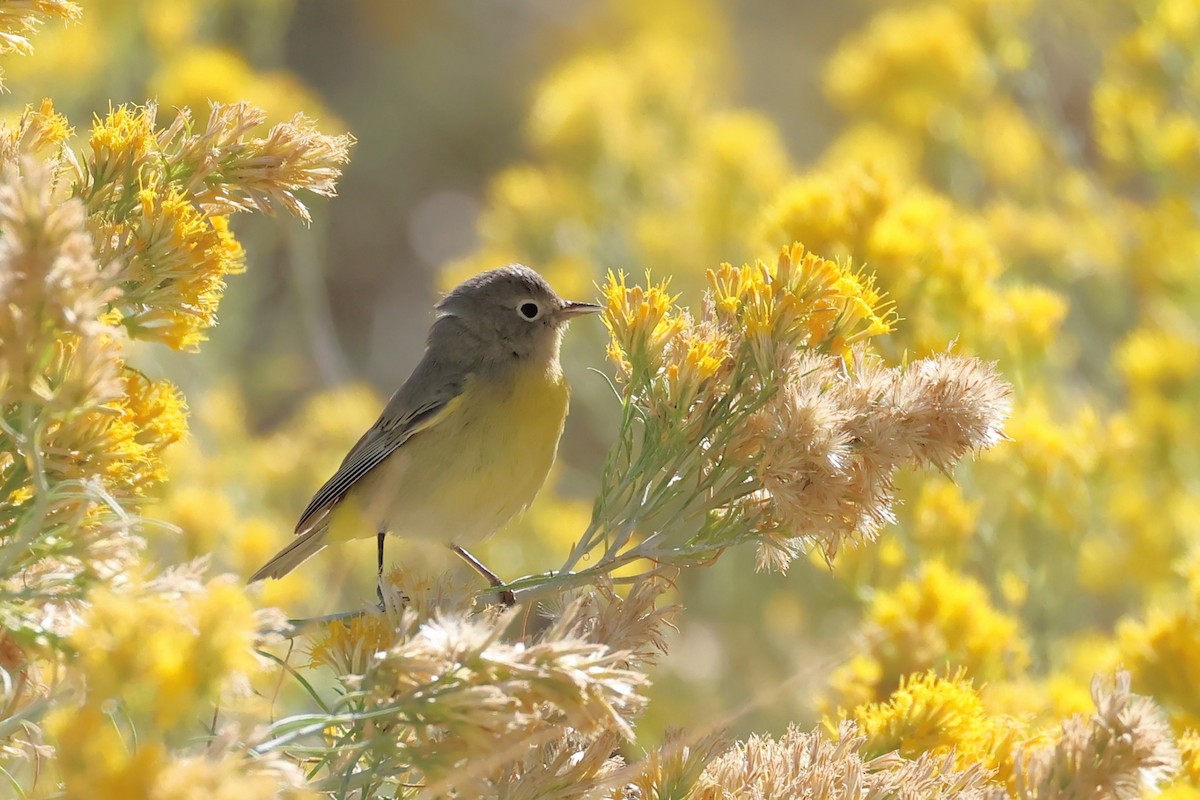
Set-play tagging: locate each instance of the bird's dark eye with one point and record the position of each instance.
(529, 310)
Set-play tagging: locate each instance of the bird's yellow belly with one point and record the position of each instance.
(471, 472)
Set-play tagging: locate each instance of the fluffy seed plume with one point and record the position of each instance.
(50, 281)
(236, 172)
(828, 444)
(809, 765)
(765, 420)
(463, 707)
(1125, 750)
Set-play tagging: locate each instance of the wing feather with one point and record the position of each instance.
(395, 426)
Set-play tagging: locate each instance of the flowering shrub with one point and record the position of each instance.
(1010, 602)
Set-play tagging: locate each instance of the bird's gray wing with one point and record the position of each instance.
(425, 398)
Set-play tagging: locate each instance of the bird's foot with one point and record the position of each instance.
(507, 598)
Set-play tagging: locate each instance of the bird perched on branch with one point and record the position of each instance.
(467, 441)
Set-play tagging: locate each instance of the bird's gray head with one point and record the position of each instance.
(504, 315)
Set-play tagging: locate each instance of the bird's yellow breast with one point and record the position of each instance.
(474, 469)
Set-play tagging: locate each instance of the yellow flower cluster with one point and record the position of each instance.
(1161, 650)
(925, 64)
(162, 658)
(931, 75)
(965, 182)
(640, 322)
(187, 57)
(1123, 749)
(803, 300)
(158, 200)
(755, 406)
(181, 258)
(153, 657)
(940, 715)
(939, 619)
(104, 669)
(602, 127)
(1147, 119)
(934, 260)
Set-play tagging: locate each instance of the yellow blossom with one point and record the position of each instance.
(591, 107)
(934, 260)
(1189, 747)
(164, 659)
(1144, 114)
(154, 415)
(1158, 362)
(121, 441)
(199, 75)
(938, 619)
(928, 713)
(1012, 153)
(347, 647)
(120, 142)
(1028, 318)
(41, 131)
(943, 518)
(640, 321)
(917, 67)
(176, 273)
(800, 299)
(1167, 237)
(832, 213)
(92, 758)
(1055, 458)
(1162, 651)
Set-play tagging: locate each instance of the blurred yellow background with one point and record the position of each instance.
(1022, 176)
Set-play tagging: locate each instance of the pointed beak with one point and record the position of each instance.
(572, 310)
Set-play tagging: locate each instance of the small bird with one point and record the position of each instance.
(467, 441)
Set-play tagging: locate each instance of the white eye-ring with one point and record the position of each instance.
(529, 310)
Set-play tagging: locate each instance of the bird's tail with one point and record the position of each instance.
(305, 544)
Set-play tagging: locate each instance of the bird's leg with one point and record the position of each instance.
(379, 572)
(506, 595)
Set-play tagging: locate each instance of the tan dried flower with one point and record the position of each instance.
(234, 173)
(804, 457)
(487, 687)
(810, 766)
(675, 767)
(230, 775)
(39, 132)
(634, 624)
(450, 702)
(1124, 750)
(951, 406)
(569, 766)
(349, 647)
(50, 283)
(826, 447)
